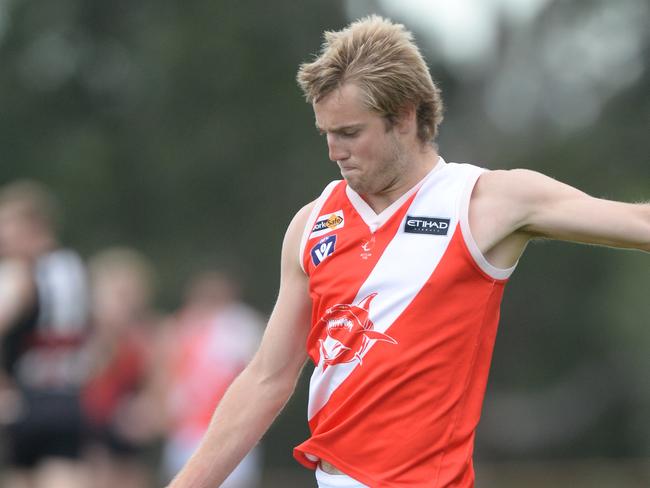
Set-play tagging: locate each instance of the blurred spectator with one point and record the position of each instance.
(116, 399)
(212, 338)
(43, 330)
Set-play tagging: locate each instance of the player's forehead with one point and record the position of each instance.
(12, 211)
(342, 108)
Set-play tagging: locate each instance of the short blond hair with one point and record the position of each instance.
(382, 59)
(32, 201)
(121, 259)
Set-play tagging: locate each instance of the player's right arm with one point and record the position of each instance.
(258, 394)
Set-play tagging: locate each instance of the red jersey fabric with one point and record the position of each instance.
(117, 379)
(405, 313)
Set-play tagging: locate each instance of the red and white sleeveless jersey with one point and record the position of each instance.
(404, 317)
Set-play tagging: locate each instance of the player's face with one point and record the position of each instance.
(15, 232)
(368, 152)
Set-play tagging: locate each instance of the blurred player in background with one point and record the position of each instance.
(210, 341)
(119, 401)
(43, 332)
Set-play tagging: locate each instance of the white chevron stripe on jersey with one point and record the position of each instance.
(405, 266)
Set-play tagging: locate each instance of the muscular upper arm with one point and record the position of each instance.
(539, 206)
(282, 352)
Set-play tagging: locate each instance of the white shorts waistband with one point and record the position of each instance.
(326, 480)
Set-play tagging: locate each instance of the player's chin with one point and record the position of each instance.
(354, 180)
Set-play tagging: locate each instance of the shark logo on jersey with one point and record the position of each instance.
(327, 223)
(349, 333)
(322, 249)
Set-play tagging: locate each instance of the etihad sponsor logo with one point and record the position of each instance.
(324, 248)
(327, 223)
(426, 225)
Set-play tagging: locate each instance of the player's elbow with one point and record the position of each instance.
(274, 383)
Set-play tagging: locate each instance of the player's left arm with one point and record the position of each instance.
(551, 209)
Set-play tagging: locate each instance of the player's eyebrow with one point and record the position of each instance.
(340, 129)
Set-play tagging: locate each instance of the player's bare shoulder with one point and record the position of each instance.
(497, 214)
(294, 235)
(498, 196)
(506, 184)
(298, 223)
(300, 219)
(523, 187)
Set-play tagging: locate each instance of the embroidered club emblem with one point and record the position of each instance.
(366, 247)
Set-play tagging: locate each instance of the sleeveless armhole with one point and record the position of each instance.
(465, 197)
(312, 218)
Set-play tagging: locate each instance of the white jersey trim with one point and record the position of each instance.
(320, 201)
(62, 291)
(326, 480)
(489, 269)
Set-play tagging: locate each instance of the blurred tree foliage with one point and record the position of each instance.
(177, 128)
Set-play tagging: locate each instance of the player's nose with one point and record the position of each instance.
(337, 151)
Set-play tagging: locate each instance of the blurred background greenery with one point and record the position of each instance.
(177, 128)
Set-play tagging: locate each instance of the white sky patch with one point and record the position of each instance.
(463, 31)
(520, 11)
